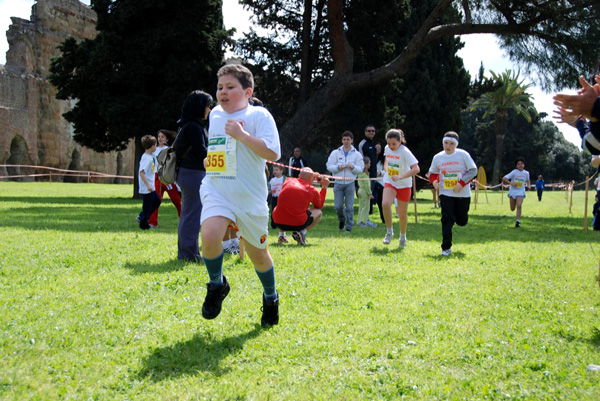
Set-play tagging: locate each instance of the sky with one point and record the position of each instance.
(235, 16)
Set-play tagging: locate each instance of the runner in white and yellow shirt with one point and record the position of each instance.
(399, 167)
(518, 179)
(451, 171)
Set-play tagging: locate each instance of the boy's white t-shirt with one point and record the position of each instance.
(398, 163)
(276, 184)
(520, 177)
(451, 169)
(147, 164)
(248, 189)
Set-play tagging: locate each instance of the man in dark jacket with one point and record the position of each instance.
(366, 147)
(296, 161)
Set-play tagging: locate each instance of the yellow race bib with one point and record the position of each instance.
(221, 157)
(451, 179)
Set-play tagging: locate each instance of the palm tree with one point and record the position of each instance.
(510, 94)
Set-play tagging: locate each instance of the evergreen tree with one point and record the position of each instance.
(132, 78)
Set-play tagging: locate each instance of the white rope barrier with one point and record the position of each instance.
(59, 172)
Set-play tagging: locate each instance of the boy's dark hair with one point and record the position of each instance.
(397, 134)
(148, 141)
(169, 134)
(241, 73)
(519, 159)
(451, 134)
(196, 103)
(348, 133)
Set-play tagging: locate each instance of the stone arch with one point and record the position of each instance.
(19, 155)
(75, 164)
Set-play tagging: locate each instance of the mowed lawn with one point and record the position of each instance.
(93, 308)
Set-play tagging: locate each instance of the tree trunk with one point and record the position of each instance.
(500, 128)
(139, 151)
(345, 82)
(305, 65)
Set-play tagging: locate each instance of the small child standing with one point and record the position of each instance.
(276, 183)
(518, 179)
(451, 171)
(365, 196)
(399, 168)
(165, 137)
(151, 200)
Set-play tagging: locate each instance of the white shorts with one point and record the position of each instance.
(254, 229)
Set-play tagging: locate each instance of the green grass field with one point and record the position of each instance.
(93, 308)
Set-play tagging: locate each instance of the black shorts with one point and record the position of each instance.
(308, 222)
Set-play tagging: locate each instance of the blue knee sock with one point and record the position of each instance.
(215, 269)
(268, 281)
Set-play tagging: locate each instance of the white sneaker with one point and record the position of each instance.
(446, 252)
(371, 224)
(233, 249)
(402, 242)
(300, 237)
(361, 224)
(388, 238)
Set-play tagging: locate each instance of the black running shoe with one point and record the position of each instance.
(342, 224)
(270, 310)
(518, 224)
(215, 295)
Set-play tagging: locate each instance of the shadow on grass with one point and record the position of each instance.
(595, 338)
(199, 354)
(74, 200)
(165, 267)
(81, 217)
(453, 255)
(90, 214)
(480, 229)
(392, 248)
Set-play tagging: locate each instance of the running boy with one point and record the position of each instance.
(450, 172)
(234, 191)
(399, 168)
(518, 179)
(276, 183)
(151, 200)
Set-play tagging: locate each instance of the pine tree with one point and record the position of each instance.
(132, 78)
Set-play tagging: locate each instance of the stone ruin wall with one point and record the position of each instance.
(33, 129)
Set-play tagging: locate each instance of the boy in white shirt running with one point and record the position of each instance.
(451, 171)
(234, 191)
(518, 179)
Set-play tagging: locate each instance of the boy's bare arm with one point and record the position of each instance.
(143, 175)
(234, 129)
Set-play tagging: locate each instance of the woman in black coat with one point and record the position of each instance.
(190, 146)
